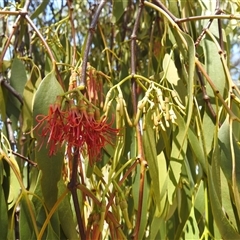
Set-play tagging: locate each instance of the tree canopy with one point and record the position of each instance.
(119, 119)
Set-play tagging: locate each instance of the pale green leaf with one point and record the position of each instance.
(118, 9)
(66, 215)
(197, 148)
(27, 219)
(191, 230)
(170, 70)
(2, 105)
(225, 227)
(28, 94)
(18, 75)
(149, 144)
(225, 152)
(217, 74)
(179, 147)
(51, 167)
(39, 9)
(3, 215)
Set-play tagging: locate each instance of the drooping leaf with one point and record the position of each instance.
(28, 94)
(17, 81)
(197, 148)
(118, 9)
(217, 75)
(225, 152)
(18, 76)
(170, 70)
(149, 144)
(3, 215)
(191, 230)
(39, 9)
(179, 146)
(27, 219)
(163, 177)
(51, 167)
(225, 227)
(66, 215)
(2, 105)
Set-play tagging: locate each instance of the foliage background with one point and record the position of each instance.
(167, 69)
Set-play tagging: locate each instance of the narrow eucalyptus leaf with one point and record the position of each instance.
(149, 144)
(225, 227)
(39, 9)
(225, 152)
(3, 215)
(51, 167)
(27, 219)
(66, 215)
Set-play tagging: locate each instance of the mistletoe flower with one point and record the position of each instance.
(98, 133)
(51, 126)
(81, 129)
(73, 128)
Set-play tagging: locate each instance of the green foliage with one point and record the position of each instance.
(148, 117)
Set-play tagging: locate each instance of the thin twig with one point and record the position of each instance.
(89, 41)
(10, 133)
(221, 43)
(24, 158)
(4, 82)
(208, 17)
(159, 4)
(70, 7)
(206, 98)
(217, 12)
(138, 127)
(14, 29)
(73, 188)
(215, 90)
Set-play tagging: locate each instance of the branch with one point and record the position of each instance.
(138, 127)
(89, 41)
(70, 7)
(217, 12)
(73, 188)
(4, 82)
(24, 158)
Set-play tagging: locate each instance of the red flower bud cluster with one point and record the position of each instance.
(77, 127)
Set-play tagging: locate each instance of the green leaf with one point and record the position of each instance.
(18, 76)
(208, 133)
(217, 74)
(118, 9)
(3, 215)
(2, 105)
(149, 144)
(14, 189)
(178, 153)
(66, 215)
(51, 234)
(226, 199)
(170, 70)
(40, 9)
(191, 71)
(51, 167)
(17, 81)
(197, 149)
(28, 94)
(163, 177)
(191, 230)
(226, 229)
(144, 216)
(225, 152)
(157, 226)
(27, 219)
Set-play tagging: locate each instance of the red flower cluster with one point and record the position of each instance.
(77, 127)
